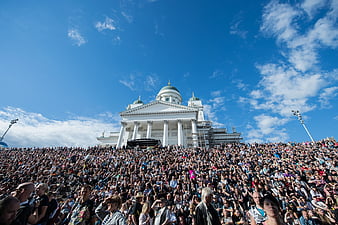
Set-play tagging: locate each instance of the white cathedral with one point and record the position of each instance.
(167, 120)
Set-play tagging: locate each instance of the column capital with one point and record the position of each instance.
(149, 121)
(123, 123)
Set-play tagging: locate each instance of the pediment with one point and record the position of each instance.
(158, 107)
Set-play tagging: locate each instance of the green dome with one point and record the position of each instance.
(193, 98)
(169, 94)
(169, 88)
(138, 101)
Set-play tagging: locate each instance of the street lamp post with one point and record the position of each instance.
(297, 113)
(10, 125)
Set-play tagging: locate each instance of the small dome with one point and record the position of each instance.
(193, 98)
(138, 101)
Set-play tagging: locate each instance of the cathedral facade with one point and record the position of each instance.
(167, 120)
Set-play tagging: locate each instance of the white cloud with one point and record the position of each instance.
(216, 73)
(298, 82)
(239, 84)
(128, 17)
(108, 24)
(151, 81)
(116, 40)
(218, 102)
(129, 83)
(236, 30)
(76, 37)
(325, 32)
(284, 22)
(213, 106)
(288, 83)
(267, 129)
(311, 7)
(278, 20)
(283, 86)
(157, 30)
(216, 93)
(327, 95)
(187, 74)
(138, 81)
(35, 130)
(211, 115)
(283, 89)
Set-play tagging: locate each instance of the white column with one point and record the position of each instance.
(194, 133)
(136, 124)
(165, 133)
(119, 140)
(149, 128)
(179, 133)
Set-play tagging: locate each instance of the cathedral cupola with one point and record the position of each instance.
(169, 94)
(136, 103)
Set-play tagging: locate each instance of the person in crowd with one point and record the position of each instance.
(41, 192)
(109, 211)
(206, 214)
(53, 210)
(237, 217)
(271, 207)
(257, 213)
(290, 217)
(163, 214)
(136, 208)
(145, 218)
(9, 206)
(305, 219)
(83, 209)
(27, 212)
(325, 217)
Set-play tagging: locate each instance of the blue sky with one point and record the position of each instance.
(68, 68)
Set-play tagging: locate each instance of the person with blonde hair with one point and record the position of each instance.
(109, 211)
(144, 216)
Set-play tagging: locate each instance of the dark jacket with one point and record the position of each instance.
(201, 215)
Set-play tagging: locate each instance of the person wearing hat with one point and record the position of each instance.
(136, 208)
(109, 211)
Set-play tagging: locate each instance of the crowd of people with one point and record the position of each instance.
(276, 183)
